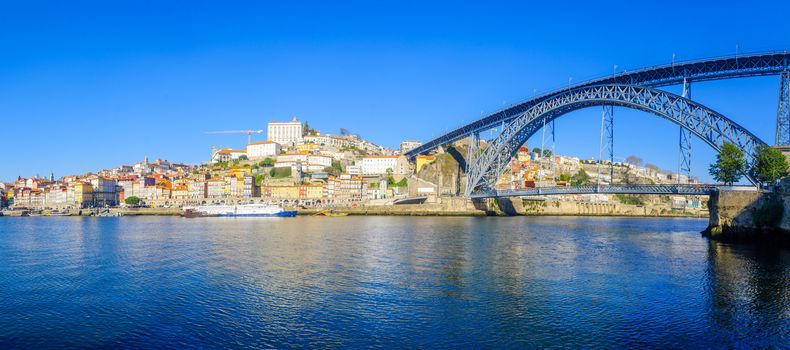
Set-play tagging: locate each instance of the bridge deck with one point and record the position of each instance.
(608, 189)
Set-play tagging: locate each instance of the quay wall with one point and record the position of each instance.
(749, 216)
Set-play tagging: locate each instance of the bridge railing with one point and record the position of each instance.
(681, 189)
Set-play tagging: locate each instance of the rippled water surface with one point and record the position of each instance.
(385, 282)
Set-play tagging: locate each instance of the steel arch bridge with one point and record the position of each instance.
(763, 64)
(713, 128)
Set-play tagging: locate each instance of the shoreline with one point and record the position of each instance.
(351, 211)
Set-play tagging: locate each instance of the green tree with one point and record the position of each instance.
(730, 164)
(281, 172)
(537, 150)
(243, 157)
(769, 164)
(267, 162)
(580, 178)
(390, 180)
(547, 153)
(132, 200)
(565, 177)
(402, 183)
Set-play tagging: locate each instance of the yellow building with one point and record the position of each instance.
(80, 193)
(306, 147)
(424, 160)
(239, 171)
(293, 192)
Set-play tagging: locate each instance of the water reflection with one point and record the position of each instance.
(385, 282)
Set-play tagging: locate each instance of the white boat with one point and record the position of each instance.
(236, 210)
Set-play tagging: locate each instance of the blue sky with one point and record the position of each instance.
(91, 85)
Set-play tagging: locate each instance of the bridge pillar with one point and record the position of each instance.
(783, 110)
(606, 147)
(471, 158)
(684, 161)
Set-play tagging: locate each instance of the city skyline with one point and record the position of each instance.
(93, 94)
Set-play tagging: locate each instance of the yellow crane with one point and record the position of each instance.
(248, 132)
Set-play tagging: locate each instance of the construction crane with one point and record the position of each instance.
(248, 132)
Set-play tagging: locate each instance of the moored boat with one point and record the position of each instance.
(331, 213)
(262, 210)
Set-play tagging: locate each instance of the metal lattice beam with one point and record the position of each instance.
(671, 74)
(783, 110)
(608, 189)
(708, 125)
(684, 142)
(606, 147)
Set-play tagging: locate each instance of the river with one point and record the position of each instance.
(382, 282)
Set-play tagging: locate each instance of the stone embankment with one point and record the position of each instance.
(451, 206)
(749, 216)
(516, 206)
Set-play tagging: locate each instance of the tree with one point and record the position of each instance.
(769, 164)
(565, 177)
(336, 168)
(280, 172)
(547, 153)
(390, 180)
(580, 178)
(402, 183)
(243, 157)
(132, 200)
(634, 160)
(267, 162)
(537, 150)
(730, 164)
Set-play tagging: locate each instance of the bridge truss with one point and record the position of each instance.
(763, 64)
(484, 171)
(607, 189)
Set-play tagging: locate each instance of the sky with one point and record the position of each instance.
(92, 85)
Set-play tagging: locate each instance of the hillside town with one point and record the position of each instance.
(297, 166)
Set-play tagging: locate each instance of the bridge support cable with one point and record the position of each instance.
(606, 146)
(684, 161)
(783, 110)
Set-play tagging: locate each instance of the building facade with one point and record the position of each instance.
(285, 133)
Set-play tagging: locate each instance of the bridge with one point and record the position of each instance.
(682, 189)
(637, 90)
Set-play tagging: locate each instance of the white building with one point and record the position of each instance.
(308, 162)
(258, 150)
(406, 146)
(226, 154)
(378, 165)
(285, 133)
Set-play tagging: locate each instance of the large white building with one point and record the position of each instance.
(378, 165)
(285, 133)
(258, 150)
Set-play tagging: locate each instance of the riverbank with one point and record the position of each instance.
(749, 217)
(445, 207)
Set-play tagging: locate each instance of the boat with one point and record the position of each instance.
(331, 213)
(236, 210)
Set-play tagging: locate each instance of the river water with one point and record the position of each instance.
(349, 282)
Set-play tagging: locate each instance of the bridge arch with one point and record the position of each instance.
(708, 125)
(758, 64)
